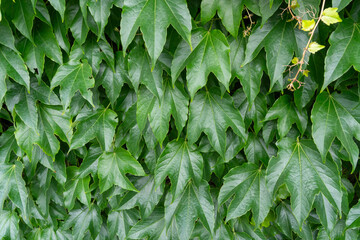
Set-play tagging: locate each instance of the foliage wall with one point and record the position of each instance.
(174, 119)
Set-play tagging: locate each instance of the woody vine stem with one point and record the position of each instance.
(291, 86)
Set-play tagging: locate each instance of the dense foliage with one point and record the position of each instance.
(174, 119)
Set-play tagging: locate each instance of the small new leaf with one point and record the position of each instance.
(330, 16)
(307, 25)
(314, 47)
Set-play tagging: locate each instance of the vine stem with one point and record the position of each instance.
(301, 62)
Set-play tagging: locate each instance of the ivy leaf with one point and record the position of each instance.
(100, 9)
(11, 64)
(342, 53)
(26, 108)
(209, 108)
(73, 78)
(331, 119)
(57, 120)
(299, 166)
(353, 218)
(228, 10)
(314, 47)
(76, 22)
(7, 144)
(112, 169)
(153, 17)
(46, 42)
(174, 102)
(76, 187)
(99, 123)
(24, 17)
(140, 71)
(279, 39)
(113, 81)
(327, 213)
(120, 222)
(59, 5)
(152, 227)
(248, 185)
(14, 187)
(181, 162)
(25, 137)
(256, 151)
(9, 225)
(340, 4)
(7, 38)
(307, 25)
(195, 202)
(330, 16)
(82, 220)
(263, 8)
(211, 54)
(147, 197)
(287, 114)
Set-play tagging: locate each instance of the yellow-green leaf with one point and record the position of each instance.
(314, 47)
(330, 16)
(307, 25)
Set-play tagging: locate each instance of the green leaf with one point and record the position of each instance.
(331, 119)
(211, 54)
(279, 39)
(194, 203)
(174, 102)
(153, 17)
(73, 78)
(327, 213)
(340, 56)
(113, 81)
(75, 20)
(23, 13)
(180, 162)
(152, 227)
(9, 225)
(140, 72)
(76, 187)
(353, 218)
(340, 4)
(33, 56)
(287, 114)
(7, 144)
(299, 166)
(120, 222)
(7, 38)
(113, 166)
(14, 187)
(288, 223)
(56, 121)
(209, 108)
(247, 183)
(12, 65)
(46, 41)
(100, 10)
(228, 10)
(26, 108)
(256, 151)
(263, 8)
(82, 220)
(147, 197)
(59, 5)
(25, 137)
(99, 123)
